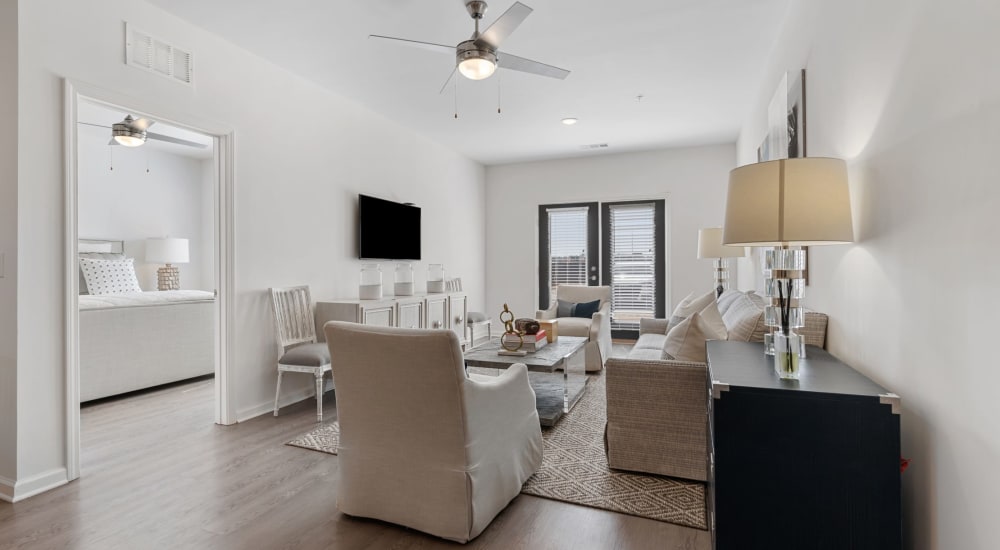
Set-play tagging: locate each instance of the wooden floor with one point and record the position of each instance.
(158, 474)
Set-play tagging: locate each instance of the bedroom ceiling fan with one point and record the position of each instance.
(131, 132)
(478, 57)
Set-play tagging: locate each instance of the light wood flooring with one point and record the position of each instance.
(158, 474)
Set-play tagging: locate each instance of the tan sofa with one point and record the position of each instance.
(658, 409)
(596, 329)
(422, 444)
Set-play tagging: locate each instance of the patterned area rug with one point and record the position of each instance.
(575, 469)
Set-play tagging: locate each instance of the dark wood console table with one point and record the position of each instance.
(812, 463)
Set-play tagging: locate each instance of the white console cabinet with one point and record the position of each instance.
(439, 311)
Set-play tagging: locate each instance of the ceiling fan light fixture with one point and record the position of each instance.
(127, 135)
(474, 62)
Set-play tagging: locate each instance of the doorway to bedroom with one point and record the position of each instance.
(149, 232)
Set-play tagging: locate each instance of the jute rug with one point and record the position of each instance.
(575, 469)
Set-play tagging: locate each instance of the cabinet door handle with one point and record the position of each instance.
(458, 320)
(437, 324)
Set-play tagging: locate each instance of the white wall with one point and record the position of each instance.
(131, 204)
(8, 248)
(692, 180)
(295, 197)
(908, 92)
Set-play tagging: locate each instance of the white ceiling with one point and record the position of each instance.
(697, 64)
(91, 114)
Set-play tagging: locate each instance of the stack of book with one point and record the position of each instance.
(531, 343)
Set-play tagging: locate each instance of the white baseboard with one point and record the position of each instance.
(243, 415)
(13, 491)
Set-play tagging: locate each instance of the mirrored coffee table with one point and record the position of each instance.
(565, 353)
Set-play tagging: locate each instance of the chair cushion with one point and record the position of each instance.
(586, 310)
(307, 355)
(475, 317)
(574, 326)
(686, 341)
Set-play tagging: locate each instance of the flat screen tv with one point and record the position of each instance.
(387, 230)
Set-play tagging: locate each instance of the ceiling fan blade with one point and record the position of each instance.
(440, 48)
(513, 62)
(446, 82)
(92, 124)
(504, 25)
(178, 141)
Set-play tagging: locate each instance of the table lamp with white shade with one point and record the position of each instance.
(167, 251)
(710, 247)
(787, 204)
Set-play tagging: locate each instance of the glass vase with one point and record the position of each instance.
(435, 278)
(371, 282)
(787, 354)
(403, 284)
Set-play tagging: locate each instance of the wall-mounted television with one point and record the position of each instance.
(387, 230)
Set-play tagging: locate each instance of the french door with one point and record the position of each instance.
(631, 257)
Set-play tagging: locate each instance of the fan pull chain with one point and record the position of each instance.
(147, 160)
(498, 92)
(111, 158)
(456, 98)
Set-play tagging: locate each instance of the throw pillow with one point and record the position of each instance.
(743, 319)
(686, 341)
(586, 310)
(690, 305)
(106, 277)
(96, 256)
(564, 308)
(712, 319)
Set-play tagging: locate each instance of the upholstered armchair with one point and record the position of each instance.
(421, 444)
(597, 329)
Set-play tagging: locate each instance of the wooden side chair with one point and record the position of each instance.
(296, 330)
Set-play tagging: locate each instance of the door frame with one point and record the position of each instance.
(225, 254)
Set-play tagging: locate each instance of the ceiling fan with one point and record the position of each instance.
(131, 132)
(478, 57)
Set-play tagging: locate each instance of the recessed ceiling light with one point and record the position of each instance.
(570, 121)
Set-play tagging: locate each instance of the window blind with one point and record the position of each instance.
(633, 264)
(567, 247)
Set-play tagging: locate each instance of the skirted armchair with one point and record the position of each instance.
(421, 444)
(597, 329)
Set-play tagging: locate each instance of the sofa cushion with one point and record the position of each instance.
(686, 341)
(726, 300)
(586, 310)
(744, 320)
(574, 326)
(690, 305)
(646, 354)
(650, 341)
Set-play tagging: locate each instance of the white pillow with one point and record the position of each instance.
(690, 305)
(686, 341)
(106, 277)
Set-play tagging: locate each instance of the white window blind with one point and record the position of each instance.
(567, 247)
(633, 264)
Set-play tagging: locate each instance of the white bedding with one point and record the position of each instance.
(143, 299)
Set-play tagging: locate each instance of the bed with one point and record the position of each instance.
(139, 340)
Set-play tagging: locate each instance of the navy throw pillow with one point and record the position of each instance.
(587, 309)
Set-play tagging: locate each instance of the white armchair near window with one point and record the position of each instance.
(596, 329)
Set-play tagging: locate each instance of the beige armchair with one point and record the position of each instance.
(596, 329)
(421, 444)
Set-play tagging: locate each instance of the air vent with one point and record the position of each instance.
(595, 146)
(156, 56)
